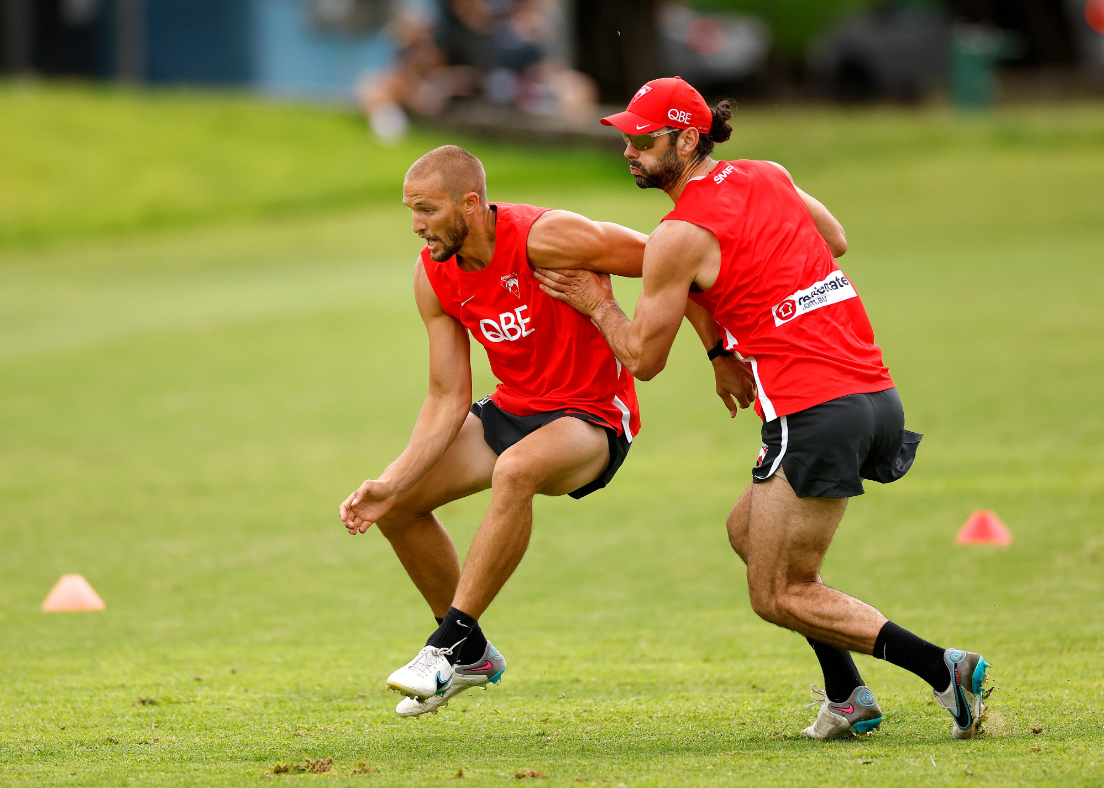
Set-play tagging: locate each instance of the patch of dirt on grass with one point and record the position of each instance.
(309, 766)
(529, 774)
(320, 766)
(994, 724)
(147, 702)
(364, 768)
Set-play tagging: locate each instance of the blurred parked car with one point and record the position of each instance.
(711, 50)
(897, 50)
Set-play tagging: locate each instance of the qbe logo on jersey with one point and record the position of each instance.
(830, 290)
(509, 327)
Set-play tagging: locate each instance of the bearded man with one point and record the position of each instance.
(758, 255)
(560, 422)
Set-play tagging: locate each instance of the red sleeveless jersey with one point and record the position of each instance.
(547, 356)
(780, 299)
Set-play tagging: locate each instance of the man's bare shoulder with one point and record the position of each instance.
(429, 305)
(675, 235)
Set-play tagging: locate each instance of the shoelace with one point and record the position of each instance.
(820, 697)
(423, 667)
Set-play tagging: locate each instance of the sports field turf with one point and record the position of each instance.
(182, 409)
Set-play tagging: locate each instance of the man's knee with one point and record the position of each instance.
(779, 605)
(766, 604)
(515, 476)
(737, 525)
(399, 521)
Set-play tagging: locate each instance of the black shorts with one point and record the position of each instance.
(827, 450)
(502, 430)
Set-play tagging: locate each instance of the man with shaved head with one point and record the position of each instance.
(560, 421)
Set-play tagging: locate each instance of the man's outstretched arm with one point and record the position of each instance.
(676, 252)
(442, 415)
(562, 239)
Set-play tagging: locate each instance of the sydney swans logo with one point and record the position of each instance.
(511, 283)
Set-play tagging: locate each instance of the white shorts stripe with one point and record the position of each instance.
(782, 451)
(769, 414)
(625, 417)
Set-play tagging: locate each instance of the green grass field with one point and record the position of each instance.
(193, 379)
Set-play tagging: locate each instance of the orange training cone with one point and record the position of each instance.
(72, 592)
(984, 527)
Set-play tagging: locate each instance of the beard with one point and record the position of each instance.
(450, 239)
(664, 173)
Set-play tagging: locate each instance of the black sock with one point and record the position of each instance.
(473, 648)
(841, 677)
(439, 620)
(905, 650)
(462, 634)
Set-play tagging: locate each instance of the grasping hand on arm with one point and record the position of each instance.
(674, 255)
(735, 383)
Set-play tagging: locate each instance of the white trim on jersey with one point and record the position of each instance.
(615, 358)
(782, 452)
(769, 413)
(625, 417)
(731, 339)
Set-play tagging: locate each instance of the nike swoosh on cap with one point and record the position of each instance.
(646, 125)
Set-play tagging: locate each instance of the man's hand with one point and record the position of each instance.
(371, 501)
(735, 383)
(586, 291)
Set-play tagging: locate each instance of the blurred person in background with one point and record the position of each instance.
(503, 51)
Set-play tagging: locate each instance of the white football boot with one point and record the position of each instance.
(488, 668)
(428, 675)
(963, 697)
(860, 713)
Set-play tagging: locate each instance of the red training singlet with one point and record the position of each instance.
(780, 299)
(547, 356)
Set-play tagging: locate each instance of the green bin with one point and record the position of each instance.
(976, 53)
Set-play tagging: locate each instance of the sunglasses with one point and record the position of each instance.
(645, 141)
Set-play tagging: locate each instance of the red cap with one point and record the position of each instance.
(670, 101)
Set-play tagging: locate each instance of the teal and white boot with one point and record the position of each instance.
(860, 713)
(487, 669)
(964, 696)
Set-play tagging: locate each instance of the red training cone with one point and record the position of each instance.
(984, 527)
(72, 592)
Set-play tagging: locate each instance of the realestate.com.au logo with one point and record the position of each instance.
(830, 290)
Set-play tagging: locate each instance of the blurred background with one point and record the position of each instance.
(500, 63)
